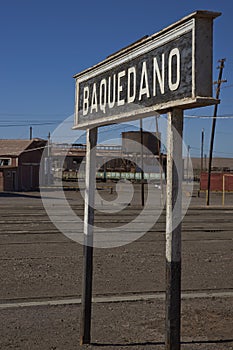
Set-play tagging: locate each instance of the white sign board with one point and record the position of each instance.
(172, 68)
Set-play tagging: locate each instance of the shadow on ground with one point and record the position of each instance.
(217, 341)
(18, 195)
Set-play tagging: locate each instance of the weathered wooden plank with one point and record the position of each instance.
(170, 68)
(85, 334)
(173, 228)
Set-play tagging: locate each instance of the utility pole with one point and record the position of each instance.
(187, 170)
(142, 171)
(219, 82)
(49, 160)
(202, 148)
(160, 158)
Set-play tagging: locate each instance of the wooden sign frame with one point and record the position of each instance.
(165, 70)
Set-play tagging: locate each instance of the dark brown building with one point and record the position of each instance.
(131, 142)
(19, 164)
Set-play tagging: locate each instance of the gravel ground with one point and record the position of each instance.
(206, 324)
(39, 263)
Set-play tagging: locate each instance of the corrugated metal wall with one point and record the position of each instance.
(216, 183)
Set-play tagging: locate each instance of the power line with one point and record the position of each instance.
(224, 116)
(29, 123)
(33, 114)
(228, 86)
(23, 125)
(215, 152)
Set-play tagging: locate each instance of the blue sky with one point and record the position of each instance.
(44, 43)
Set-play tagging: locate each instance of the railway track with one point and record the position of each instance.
(112, 298)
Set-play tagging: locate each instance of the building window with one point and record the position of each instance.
(5, 161)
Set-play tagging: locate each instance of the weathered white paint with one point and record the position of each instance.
(148, 46)
(174, 53)
(185, 103)
(197, 23)
(90, 185)
(174, 185)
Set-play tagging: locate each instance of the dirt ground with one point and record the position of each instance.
(40, 264)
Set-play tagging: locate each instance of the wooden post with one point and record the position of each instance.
(85, 336)
(187, 170)
(202, 148)
(160, 160)
(202, 151)
(142, 171)
(173, 229)
(223, 190)
(49, 160)
(219, 83)
(30, 133)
